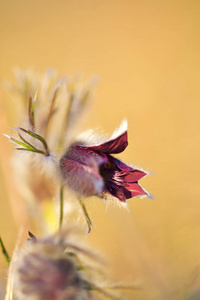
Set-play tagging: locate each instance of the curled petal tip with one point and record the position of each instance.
(149, 195)
(115, 145)
(122, 128)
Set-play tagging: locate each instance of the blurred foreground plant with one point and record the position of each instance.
(53, 267)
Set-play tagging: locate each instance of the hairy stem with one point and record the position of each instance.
(61, 207)
(88, 220)
(51, 111)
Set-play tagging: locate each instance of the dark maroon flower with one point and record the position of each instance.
(92, 170)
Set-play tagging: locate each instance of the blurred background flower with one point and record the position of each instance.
(146, 54)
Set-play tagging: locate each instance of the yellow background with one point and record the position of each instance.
(146, 56)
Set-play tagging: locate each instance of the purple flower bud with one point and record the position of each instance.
(45, 272)
(92, 170)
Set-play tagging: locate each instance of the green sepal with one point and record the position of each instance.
(38, 137)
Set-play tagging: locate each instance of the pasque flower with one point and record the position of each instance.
(92, 170)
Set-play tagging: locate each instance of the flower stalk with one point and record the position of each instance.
(61, 207)
(4, 251)
(51, 111)
(31, 111)
(88, 220)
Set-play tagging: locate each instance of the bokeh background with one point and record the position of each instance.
(146, 56)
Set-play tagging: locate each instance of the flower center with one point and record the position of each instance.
(107, 170)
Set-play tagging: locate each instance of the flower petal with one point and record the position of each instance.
(116, 145)
(132, 174)
(86, 155)
(83, 179)
(135, 189)
(80, 170)
(125, 191)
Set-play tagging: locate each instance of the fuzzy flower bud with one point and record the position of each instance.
(46, 272)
